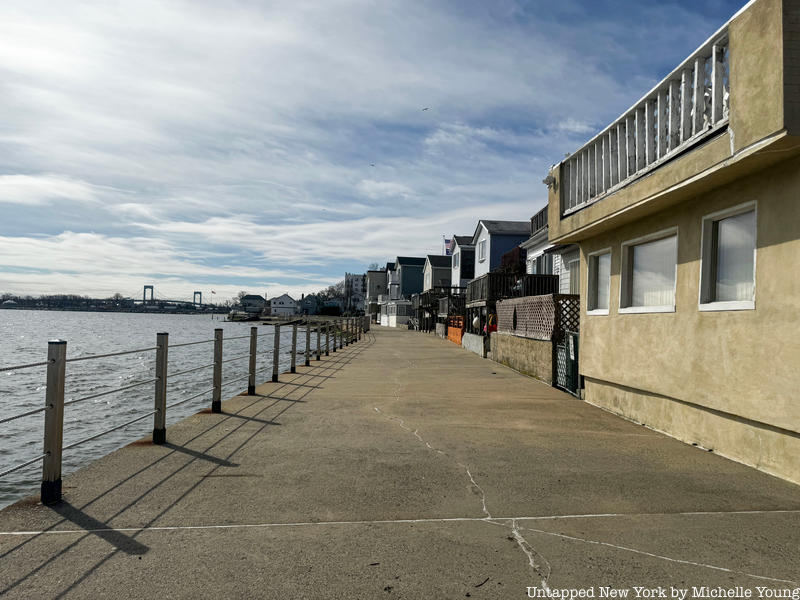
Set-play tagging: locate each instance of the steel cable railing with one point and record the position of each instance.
(55, 403)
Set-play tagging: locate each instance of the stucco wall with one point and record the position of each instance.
(737, 363)
(474, 343)
(531, 357)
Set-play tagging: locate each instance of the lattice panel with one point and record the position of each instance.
(568, 313)
(531, 317)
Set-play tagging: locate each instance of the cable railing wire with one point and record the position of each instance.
(109, 392)
(179, 402)
(94, 356)
(22, 465)
(107, 431)
(25, 414)
(240, 357)
(28, 366)
(189, 370)
(190, 343)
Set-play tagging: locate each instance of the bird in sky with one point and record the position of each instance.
(371, 164)
(426, 108)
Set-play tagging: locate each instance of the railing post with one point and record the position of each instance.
(251, 379)
(160, 416)
(358, 328)
(308, 343)
(333, 333)
(216, 395)
(54, 421)
(341, 334)
(319, 332)
(293, 367)
(276, 351)
(346, 332)
(327, 338)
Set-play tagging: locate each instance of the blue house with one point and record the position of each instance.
(492, 239)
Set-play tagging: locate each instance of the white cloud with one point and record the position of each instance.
(42, 189)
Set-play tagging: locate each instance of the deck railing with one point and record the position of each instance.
(683, 108)
(349, 330)
(497, 286)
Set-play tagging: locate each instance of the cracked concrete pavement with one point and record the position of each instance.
(402, 466)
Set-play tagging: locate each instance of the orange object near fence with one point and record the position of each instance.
(455, 329)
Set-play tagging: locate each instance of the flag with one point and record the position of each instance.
(213, 292)
(447, 249)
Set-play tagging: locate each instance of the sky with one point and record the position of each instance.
(272, 146)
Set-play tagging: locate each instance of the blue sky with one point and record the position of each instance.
(272, 146)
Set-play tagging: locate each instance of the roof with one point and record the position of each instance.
(389, 266)
(282, 296)
(253, 297)
(437, 260)
(463, 240)
(507, 227)
(410, 261)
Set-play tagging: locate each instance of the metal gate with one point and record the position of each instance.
(567, 377)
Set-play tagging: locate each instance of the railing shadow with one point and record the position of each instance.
(128, 544)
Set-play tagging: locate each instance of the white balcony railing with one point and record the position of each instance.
(683, 108)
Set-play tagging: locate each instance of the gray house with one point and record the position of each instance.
(463, 264)
(492, 239)
(409, 275)
(436, 272)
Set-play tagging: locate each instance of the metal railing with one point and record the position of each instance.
(683, 108)
(349, 330)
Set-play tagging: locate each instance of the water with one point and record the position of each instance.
(23, 339)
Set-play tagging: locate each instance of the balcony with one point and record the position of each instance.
(689, 104)
(450, 306)
(496, 286)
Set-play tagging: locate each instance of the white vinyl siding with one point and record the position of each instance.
(649, 268)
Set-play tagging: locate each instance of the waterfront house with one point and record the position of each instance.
(436, 272)
(409, 275)
(355, 292)
(253, 304)
(309, 305)
(463, 260)
(685, 213)
(283, 305)
(492, 239)
(376, 287)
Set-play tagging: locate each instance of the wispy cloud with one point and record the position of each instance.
(245, 143)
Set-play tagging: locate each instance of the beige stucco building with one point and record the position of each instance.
(687, 213)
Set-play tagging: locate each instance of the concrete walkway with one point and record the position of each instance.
(402, 467)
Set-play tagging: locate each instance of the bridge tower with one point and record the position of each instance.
(144, 294)
(197, 299)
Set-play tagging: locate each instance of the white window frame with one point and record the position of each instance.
(625, 277)
(706, 257)
(591, 281)
(456, 259)
(482, 250)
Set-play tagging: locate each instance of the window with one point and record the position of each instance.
(649, 265)
(599, 282)
(455, 259)
(542, 265)
(727, 273)
(482, 250)
(574, 268)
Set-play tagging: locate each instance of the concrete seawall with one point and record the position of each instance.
(402, 466)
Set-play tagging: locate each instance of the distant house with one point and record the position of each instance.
(462, 268)
(283, 305)
(436, 272)
(253, 304)
(376, 288)
(354, 292)
(409, 275)
(492, 239)
(309, 305)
